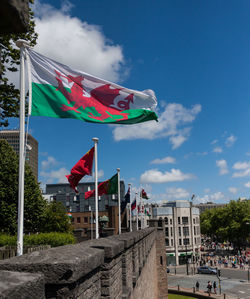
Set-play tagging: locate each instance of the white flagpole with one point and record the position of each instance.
(119, 202)
(96, 190)
(141, 209)
(21, 44)
(137, 225)
(130, 212)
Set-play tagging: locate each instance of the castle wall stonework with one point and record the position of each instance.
(130, 265)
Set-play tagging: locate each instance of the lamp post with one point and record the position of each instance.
(185, 240)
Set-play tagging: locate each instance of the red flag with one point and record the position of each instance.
(107, 187)
(83, 167)
(144, 194)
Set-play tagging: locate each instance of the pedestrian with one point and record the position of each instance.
(215, 287)
(209, 287)
(197, 286)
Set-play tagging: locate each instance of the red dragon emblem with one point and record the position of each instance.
(102, 98)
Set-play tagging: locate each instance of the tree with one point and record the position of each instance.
(56, 219)
(10, 59)
(39, 216)
(33, 202)
(228, 223)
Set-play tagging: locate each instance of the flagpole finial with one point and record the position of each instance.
(22, 43)
(118, 169)
(95, 139)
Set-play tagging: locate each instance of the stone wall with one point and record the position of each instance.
(120, 266)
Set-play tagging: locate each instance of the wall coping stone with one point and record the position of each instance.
(111, 246)
(28, 285)
(64, 264)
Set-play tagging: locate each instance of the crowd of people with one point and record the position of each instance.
(236, 261)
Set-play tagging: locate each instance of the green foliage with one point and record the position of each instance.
(53, 239)
(228, 223)
(39, 216)
(10, 59)
(56, 219)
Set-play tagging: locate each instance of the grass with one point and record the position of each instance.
(176, 296)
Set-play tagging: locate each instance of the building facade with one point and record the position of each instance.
(83, 211)
(182, 230)
(208, 206)
(12, 137)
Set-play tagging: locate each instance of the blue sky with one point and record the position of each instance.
(194, 55)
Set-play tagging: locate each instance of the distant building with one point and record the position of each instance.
(209, 205)
(182, 230)
(83, 211)
(12, 137)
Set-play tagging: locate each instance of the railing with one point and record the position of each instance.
(7, 252)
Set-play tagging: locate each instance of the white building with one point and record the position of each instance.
(182, 230)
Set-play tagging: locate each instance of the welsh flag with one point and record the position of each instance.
(107, 187)
(144, 194)
(83, 167)
(133, 205)
(58, 91)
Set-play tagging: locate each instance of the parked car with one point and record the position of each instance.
(206, 270)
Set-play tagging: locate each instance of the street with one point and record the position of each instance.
(234, 282)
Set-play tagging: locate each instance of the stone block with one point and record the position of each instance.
(28, 285)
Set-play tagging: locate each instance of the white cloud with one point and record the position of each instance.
(247, 184)
(50, 162)
(206, 190)
(165, 160)
(214, 141)
(232, 190)
(91, 178)
(156, 176)
(217, 149)
(230, 141)
(210, 197)
(75, 43)
(176, 193)
(244, 168)
(172, 124)
(222, 164)
(55, 176)
(241, 165)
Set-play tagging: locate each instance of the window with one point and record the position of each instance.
(166, 220)
(179, 220)
(72, 219)
(180, 243)
(78, 208)
(78, 219)
(194, 230)
(113, 196)
(194, 220)
(171, 221)
(179, 228)
(184, 220)
(167, 242)
(85, 219)
(172, 242)
(186, 231)
(171, 230)
(166, 232)
(186, 241)
(89, 188)
(195, 242)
